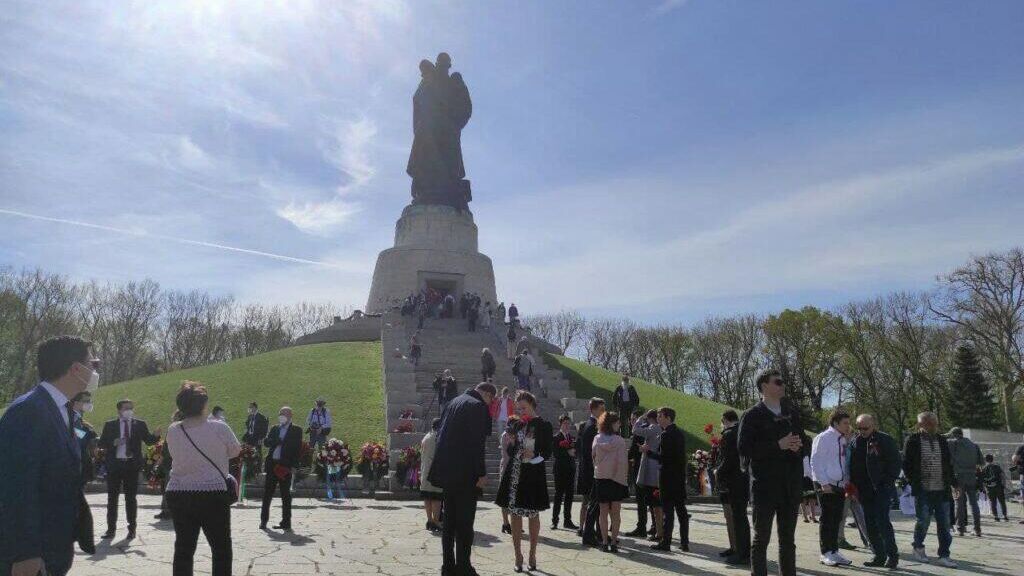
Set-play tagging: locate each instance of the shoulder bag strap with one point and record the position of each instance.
(201, 453)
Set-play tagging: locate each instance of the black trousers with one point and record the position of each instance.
(564, 483)
(997, 494)
(831, 518)
(737, 511)
(877, 506)
(271, 484)
(457, 531)
(672, 508)
(641, 508)
(783, 512)
(593, 512)
(206, 511)
(122, 476)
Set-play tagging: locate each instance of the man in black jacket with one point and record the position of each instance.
(585, 484)
(772, 445)
(734, 490)
(256, 426)
(874, 468)
(671, 480)
(460, 471)
(564, 472)
(929, 469)
(284, 443)
(625, 400)
(638, 422)
(122, 440)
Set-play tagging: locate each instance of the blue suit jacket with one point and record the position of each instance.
(40, 484)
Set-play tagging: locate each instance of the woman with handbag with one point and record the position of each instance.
(200, 491)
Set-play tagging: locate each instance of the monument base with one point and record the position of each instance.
(435, 247)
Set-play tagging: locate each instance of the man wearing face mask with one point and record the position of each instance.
(284, 442)
(122, 439)
(40, 463)
(318, 424)
(256, 425)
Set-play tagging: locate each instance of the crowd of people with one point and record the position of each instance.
(854, 468)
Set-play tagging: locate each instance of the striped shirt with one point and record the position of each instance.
(931, 463)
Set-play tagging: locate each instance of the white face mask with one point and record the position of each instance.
(128, 414)
(283, 420)
(87, 407)
(93, 383)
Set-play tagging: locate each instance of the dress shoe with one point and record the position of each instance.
(263, 525)
(593, 542)
(109, 535)
(892, 563)
(162, 516)
(875, 563)
(636, 532)
(568, 524)
(738, 560)
(844, 545)
(726, 552)
(684, 547)
(506, 528)
(131, 534)
(661, 547)
(283, 527)
(554, 524)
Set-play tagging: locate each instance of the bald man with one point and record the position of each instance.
(929, 469)
(284, 442)
(874, 468)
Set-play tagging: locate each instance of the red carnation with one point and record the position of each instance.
(709, 428)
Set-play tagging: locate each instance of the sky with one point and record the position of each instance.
(657, 160)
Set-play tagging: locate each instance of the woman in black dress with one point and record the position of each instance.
(524, 487)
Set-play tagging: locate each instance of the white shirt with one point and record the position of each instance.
(828, 458)
(59, 399)
(281, 434)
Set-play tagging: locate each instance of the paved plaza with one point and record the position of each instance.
(387, 537)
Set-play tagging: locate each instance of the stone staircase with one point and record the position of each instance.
(447, 344)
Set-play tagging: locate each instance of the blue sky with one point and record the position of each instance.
(659, 160)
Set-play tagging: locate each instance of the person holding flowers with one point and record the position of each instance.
(431, 494)
(565, 473)
(523, 489)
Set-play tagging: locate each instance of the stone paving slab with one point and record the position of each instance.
(371, 537)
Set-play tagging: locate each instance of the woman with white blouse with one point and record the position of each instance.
(199, 489)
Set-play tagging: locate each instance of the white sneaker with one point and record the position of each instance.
(840, 559)
(920, 556)
(946, 562)
(828, 560)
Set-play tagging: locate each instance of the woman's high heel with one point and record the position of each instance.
(506, 528)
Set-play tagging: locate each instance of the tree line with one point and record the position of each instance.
(138, 328)
(956, 349)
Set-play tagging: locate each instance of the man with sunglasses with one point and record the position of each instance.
(874, 467)
(772, 445)
(41, 463)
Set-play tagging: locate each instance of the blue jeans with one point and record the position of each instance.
(928, 504)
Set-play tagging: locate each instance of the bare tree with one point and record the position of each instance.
(676, 358)
(985, 298)
(726, 355)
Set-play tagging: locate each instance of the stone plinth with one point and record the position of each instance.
(434, 245)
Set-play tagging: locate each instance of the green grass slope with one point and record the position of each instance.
(347, 374)
(692, 413)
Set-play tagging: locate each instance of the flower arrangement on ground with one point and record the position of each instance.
(154, 472)
(408, 468)
(702, 460)
(373, 464)
(250, 461)
(335, 459)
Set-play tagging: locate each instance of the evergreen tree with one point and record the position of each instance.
(969, 401)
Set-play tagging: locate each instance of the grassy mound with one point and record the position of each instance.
(692, 413)
(347, 374)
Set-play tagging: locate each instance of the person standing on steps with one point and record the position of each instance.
(929, 470)
(589, 508)
(472, 316)
(966, 458)
(485, 318)
(734, 489)
(487, 365)
(415, 349)
(772, 445)
(625, 400)
(874, 469)
(284, 442)
(672, 456)
(122, 438)
(459, 469)
(319, 424)
(522, 367)
(513, 315)
(446, 389)
(565, 473)
(502, 409)
(510, 342)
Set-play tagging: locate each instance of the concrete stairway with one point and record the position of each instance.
(447, 344)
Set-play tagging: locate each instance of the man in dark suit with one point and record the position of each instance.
(256, 426)
(284, 443)
(565, 473)
(40, 463)
(625, 400)
(585, 484)
(734, 490)
(772, 446)
(671, 480)
(122, 439)
(460, 471)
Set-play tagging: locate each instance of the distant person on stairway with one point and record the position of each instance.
(625, 399)
(460, 470)
(513, 315)
(487, 365)
(446, 389)
(485, 317)
(501, 313)
(472, 315)
(565, 473)
(503, 409)
(511, 338)
(318, 423)
(522, 368)
(415, 350)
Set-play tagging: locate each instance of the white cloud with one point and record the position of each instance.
(348, 149)
(319, 218)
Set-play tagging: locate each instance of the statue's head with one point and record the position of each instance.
(426, 68)
(444, 62)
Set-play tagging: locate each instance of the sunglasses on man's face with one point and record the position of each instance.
(778, 382)
(863, 429)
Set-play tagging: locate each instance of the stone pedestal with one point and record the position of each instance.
(434, 246)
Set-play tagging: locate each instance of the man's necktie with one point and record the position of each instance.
(71, 417)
